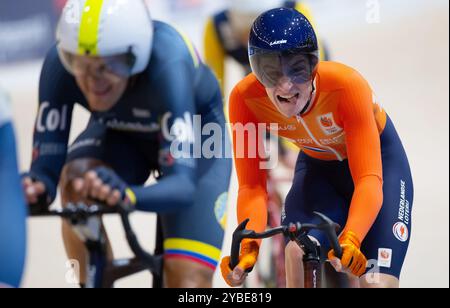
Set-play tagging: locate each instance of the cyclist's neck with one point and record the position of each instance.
(311, 100)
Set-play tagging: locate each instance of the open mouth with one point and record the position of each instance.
(101, 91)
(288, 99)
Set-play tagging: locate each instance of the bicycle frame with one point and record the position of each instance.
(298, 233)
(87, 224)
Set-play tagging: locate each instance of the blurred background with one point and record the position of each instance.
(400, 46)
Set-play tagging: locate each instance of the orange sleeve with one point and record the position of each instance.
(252, 195)
(364, 155)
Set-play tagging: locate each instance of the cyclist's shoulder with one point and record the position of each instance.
(5, 108)
(170, 45)
(162, 28)
(249, 88)
(56, 85)
(52, 63)
(164, 36)
(168, 36)
(338, 76)
(248, 92)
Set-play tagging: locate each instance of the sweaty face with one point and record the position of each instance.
(290, 98)
(101, 86)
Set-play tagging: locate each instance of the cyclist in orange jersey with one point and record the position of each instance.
(352, 166)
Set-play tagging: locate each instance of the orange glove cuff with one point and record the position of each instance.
(350, 237)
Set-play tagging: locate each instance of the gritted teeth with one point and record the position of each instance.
(287, 99)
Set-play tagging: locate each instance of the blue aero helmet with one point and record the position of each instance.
(283, 43)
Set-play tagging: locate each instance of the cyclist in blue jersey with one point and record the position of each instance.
(12, 204)
(145, 87)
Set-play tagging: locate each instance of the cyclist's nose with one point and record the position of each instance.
(285, 84)
(96, 72)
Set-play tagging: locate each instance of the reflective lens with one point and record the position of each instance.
(270, 67)
(108, 67)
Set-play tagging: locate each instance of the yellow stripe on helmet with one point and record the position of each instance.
(89, 26)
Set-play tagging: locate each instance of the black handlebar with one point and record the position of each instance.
(78, 211)
(292, 231)
(78, 214)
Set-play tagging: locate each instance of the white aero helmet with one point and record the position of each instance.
(120, 31)
(255, 7)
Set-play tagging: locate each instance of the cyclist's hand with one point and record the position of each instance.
(104, 185)
(353, 260)
(34, 190)
(247, 260)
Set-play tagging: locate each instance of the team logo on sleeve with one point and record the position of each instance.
(328, 124)
(385, 257)
(401, 232)
(51, 119)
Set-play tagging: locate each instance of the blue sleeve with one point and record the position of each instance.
(176, 96)
(12, 212)
(57, 94)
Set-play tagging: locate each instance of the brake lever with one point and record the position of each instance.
(331, 230)
(238, 236)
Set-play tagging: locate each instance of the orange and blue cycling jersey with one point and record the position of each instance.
(342, 122)
(341, 138)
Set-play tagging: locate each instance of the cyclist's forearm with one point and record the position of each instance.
(252, 204)
(57, 94)
(171, 194)
(49, 157)
(48, 174)
(365, 207)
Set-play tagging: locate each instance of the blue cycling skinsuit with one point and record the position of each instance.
(12, 204)
(159, 108)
